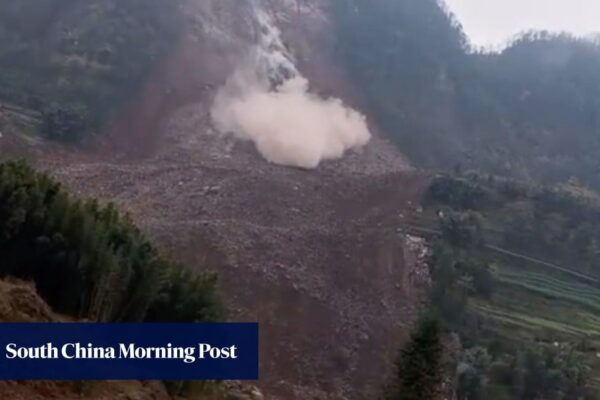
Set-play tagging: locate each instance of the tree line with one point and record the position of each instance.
(550, 222)
(90, 261)
(79, 62)
(530, 111)
(490, 364)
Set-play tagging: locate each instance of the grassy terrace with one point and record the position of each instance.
(536, 304)
(543, 301)
(527, 258)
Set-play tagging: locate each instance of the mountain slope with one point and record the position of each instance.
(529, 112)
(312, 255)
(77, 62)
(316, 255)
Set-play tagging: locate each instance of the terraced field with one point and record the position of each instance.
(532, 303)
(554, 287)
(543, 300)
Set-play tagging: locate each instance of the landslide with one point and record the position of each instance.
(314, 256)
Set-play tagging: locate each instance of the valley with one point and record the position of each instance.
(338, 259)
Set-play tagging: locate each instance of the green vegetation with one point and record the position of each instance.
(419, 364)
(531, 111)
(88, 260)
(529, 329)
(555, 223)
(78, 62)
(517, 343)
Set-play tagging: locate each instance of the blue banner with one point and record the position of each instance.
(77, 351)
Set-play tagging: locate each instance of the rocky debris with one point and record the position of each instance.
(312, 255)
(422, 253)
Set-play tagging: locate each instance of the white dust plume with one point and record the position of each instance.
(268, 102)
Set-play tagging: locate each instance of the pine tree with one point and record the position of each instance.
(419, 362)
(90, 261)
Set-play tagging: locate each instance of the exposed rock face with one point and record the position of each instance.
(314, 256)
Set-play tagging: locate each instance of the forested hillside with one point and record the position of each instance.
(89, 261)
(77, 62)
(515, 279)
(531, 111)
(514, 263)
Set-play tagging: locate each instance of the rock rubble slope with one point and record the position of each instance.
(314, 256)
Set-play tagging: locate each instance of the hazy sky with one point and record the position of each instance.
(493, 22)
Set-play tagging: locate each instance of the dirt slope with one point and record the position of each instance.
(314, 256)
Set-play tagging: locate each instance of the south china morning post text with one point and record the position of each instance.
(144, 351)
(69, 351)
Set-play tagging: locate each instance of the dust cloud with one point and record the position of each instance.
(268, 102)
